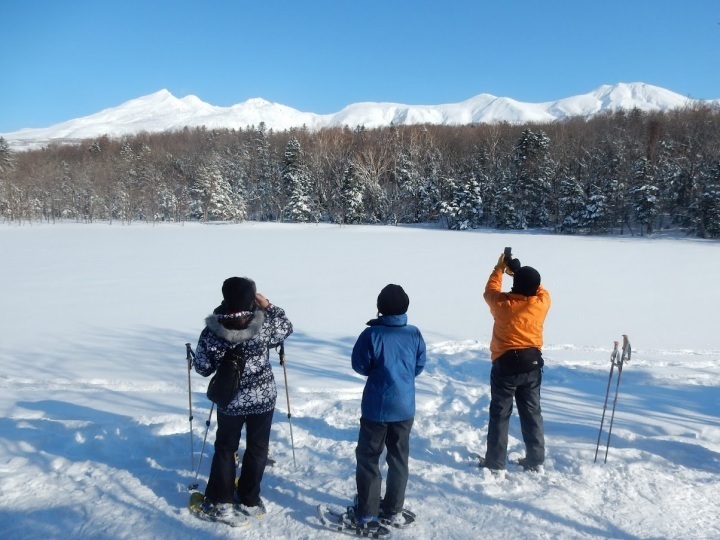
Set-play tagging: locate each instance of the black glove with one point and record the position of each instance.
(513, 266)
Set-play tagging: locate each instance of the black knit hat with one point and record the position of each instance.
(526, 281)
(392, 300)
(238, 294)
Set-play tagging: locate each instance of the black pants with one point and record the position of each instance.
(221, 483)
(525, 389)
(373, 438)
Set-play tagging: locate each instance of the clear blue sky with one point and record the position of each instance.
(63, 59)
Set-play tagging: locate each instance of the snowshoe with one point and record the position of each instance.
(218, 513)
(345, 522)
(530, 467)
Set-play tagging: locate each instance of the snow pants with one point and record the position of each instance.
(525, 389)
(373, 439)
(221, 483)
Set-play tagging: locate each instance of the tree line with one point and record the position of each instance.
(626, 171)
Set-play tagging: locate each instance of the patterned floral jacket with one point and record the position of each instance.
(266, 329)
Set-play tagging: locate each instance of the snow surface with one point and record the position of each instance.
(95, 436)
(161, 111)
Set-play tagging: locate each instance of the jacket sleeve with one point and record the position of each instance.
(362, 354)
(277, 326)
(493, 288)
(421, 355)
(543, 296)
(207, 354)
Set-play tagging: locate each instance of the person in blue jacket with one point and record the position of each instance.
(390, 353)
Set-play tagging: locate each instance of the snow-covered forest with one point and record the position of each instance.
(623, 172)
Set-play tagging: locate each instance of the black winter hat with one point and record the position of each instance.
(526, 281)
(392, 300)
(238, 294)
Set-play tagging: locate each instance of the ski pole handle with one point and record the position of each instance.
(626, 349)
(281, 353)
(615, 353)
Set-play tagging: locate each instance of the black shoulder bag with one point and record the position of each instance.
(226, 381)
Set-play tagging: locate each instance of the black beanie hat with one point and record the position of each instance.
(238, 294)
(392, 300)
(526, 281)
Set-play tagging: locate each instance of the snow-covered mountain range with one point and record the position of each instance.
(162, 111)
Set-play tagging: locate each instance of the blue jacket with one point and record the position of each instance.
(390, 353)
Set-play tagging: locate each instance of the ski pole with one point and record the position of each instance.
(190, 356)
(613, 358)
(625, 357)
(281, 354)
(194, 485)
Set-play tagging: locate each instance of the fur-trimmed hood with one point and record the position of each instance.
(215, 325)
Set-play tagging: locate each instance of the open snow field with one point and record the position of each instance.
(94, 430)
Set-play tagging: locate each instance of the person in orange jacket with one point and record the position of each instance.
(515, 351)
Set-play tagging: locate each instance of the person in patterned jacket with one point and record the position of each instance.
(248, 322)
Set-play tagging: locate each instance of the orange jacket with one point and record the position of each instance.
(518, 319)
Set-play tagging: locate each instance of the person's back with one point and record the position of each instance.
(390, 353)
(517, 362)
(387, 353)
(518, 315)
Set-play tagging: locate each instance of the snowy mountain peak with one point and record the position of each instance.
(162, 111)
(640, 95)
(258, 103)
(156, 97)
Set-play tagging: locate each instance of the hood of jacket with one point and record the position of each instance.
(214, 323)
(389, 320)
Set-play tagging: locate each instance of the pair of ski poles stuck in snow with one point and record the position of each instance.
(617, 359)
(190, 356)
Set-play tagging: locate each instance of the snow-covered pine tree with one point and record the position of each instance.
(503, 202)
(297, 185)
(126, 181)
(669, 181)
(608, 189)
(417, 193)
(645, 196)
(464, 210)
(213, 195)
(263, 177)
(7, 166)
(708, 204)
(571, 203)
(596, 217)
(351, 196)
(531, 178)
(430, 195)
